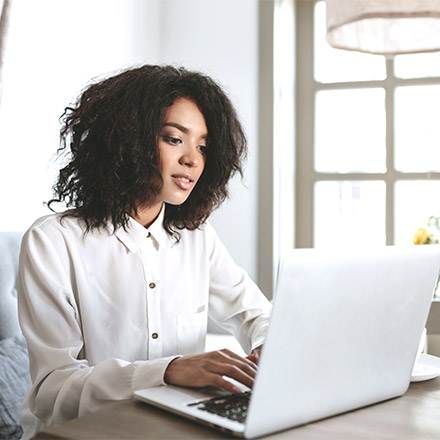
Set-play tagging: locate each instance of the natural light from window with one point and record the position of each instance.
(370, 162)
(417, 128)
(332, 65)
(344, 140)
(417, 65)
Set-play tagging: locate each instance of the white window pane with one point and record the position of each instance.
(418, 65)
(415, 202)
(334, 65)
(349, 214)
(417, 128)
(350, 131)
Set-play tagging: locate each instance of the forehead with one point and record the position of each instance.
(186, 113)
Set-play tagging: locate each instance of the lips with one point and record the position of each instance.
(183, 181)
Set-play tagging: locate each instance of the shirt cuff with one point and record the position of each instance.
(148, 374)
(260, 337)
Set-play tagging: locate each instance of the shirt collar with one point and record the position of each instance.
(135, 234)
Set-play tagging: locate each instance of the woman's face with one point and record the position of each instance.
(182, 143)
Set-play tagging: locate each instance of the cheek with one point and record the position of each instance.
(165, 159)
(203, 161)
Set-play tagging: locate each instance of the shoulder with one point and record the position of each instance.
(47, 221)
(59, 229)
(53, 224)
(194, 241)
(64, 222)
(203, 238)
(205, 232)
(41, 234)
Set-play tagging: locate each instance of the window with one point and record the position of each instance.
(368, 141)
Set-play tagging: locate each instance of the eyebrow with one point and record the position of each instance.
(181, 128)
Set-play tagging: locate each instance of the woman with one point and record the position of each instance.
(114, 293)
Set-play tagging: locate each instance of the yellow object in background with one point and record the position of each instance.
(422, 236)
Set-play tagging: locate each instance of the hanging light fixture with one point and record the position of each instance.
(385, 27)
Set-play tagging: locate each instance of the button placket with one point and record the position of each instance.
(151, 270)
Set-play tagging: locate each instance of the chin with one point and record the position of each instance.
(176, 201)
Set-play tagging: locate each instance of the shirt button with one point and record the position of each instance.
(151, 285)
(149, 235)
(154, 335)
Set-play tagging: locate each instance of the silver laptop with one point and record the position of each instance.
(344, 334)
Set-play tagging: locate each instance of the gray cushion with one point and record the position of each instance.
(9, 251)
(14, 380)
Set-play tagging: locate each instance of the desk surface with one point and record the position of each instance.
(416, 415)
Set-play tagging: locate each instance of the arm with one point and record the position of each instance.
(237, 304)
(64, 384)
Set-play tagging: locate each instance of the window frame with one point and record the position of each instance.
(306, 89)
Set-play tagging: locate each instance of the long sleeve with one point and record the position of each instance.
(236, 303)
(105, 312)
(64, 384)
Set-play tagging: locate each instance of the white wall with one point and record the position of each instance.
(220, 38)
(58, 45)
(54, 48)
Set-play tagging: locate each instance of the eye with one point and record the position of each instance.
(171, 140)
(202, 148)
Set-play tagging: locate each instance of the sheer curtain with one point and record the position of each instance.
(4, 9)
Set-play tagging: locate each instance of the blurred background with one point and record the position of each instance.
(344, 146)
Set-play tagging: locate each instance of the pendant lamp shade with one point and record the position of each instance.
(385, 27)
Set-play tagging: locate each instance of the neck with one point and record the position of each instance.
(147, 215)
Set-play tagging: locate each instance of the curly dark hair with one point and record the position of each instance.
(109, 136)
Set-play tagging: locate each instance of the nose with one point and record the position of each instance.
(190, 157)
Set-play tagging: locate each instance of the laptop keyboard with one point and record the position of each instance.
(231, 406)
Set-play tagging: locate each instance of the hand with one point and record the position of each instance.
(255, 355)
(209, 368)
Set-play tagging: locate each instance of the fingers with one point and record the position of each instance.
(253, 357)
(233, 355)
(246, 364)
(209, 369)
(238, 371)
(220, 382)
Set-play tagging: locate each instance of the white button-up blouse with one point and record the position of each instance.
(105, 312)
